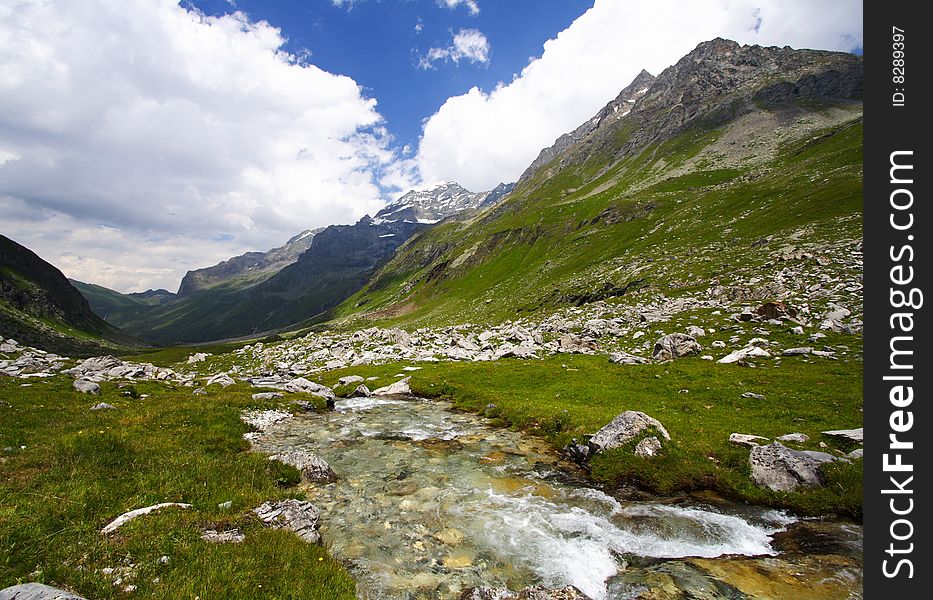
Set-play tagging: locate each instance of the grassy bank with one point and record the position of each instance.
(700, 403)
(66, 471)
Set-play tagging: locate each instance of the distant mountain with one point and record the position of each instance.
(251, 267)
(115, 307)
(436, 203)
(300, 282)
(40, 308)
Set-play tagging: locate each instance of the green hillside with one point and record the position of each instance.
(615, 213)
(40, 308)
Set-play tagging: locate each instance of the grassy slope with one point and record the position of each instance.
(550, 245)
(79, 469)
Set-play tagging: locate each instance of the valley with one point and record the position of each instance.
(634, 373)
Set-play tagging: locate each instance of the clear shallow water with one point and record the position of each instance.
(431, 502)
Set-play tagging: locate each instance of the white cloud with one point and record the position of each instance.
(481, 138)
(467, 44)
(139, 139)
(471, 5)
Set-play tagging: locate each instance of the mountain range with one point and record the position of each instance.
(676, 182)
(292, 285)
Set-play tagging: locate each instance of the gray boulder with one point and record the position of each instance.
(103, 406)
(221, 379)
(312, 467)
(675, 345)
(267, 395)
(86, 387)
(783, 469)
(36, 591)
(624, 428)
(399, 388)
(361, 391)
(299, 516)
(350, 379)
(302, 385)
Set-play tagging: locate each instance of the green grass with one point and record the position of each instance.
(71, 470)
(564, 397)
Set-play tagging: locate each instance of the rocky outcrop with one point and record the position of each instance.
(783, 469)
(299, 516)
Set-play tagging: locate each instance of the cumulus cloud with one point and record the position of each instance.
(471, 5)
(484, 137)
(467, 44)
(139, 139)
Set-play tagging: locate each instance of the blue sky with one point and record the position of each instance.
(379, 44)
(143, 138)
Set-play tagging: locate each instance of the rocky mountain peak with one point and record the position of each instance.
(437, 202)
(616, 109)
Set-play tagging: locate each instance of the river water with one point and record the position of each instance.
(430, 502)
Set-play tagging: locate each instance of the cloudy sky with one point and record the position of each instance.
(143, 138)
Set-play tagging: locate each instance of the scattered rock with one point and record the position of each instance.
(129, 516)
(752, 395)
(857, 453)
(103, 406)
(221, 379)
(744, 354)
(299, 516)
(267, 395)
(350, 380)
(36, 591)
(695, 331)
(86, 387)
(783, 469)
(803, 351)
(361, 391)
(313, 468)
(675, 345)
(746, 439)
(799, 438)
(399, 388)
(854, 435)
